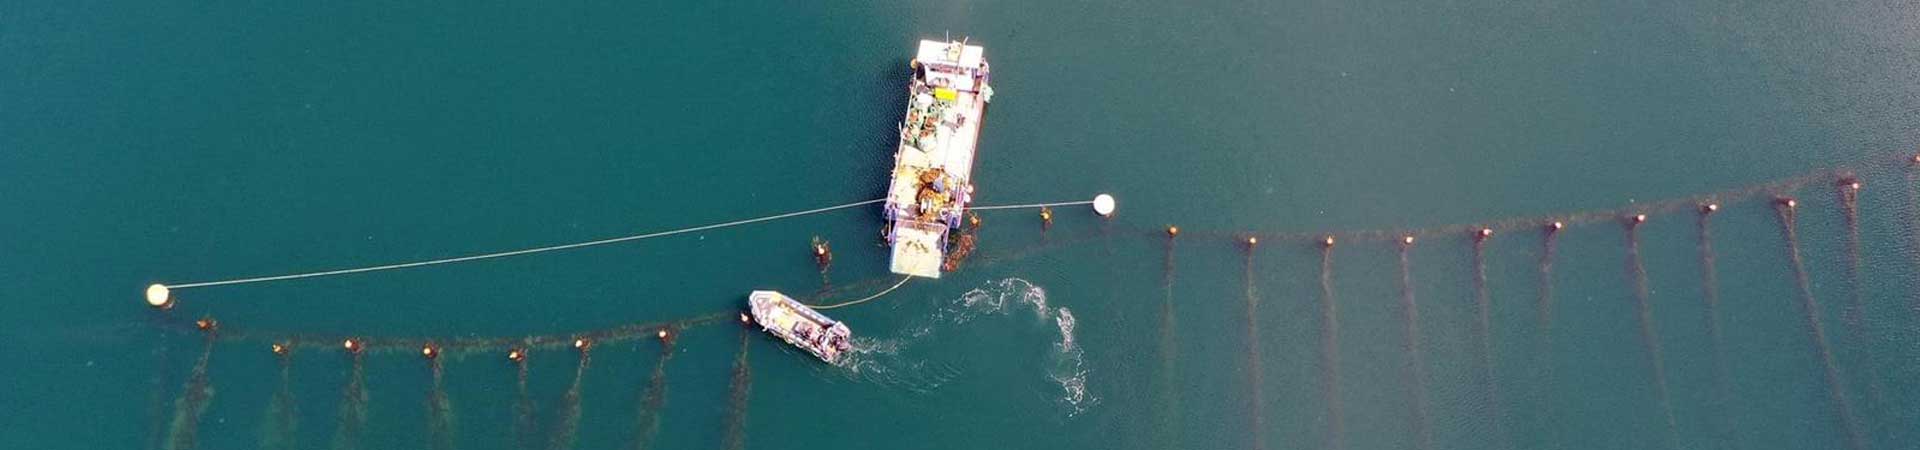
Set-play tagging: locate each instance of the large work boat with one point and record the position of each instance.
(800, 325)
(932, 180)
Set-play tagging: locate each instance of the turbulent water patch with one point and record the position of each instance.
(892, 360)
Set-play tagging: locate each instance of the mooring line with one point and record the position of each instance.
(1030, 205)
(522, 251)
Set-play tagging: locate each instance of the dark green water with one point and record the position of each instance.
(144, 143)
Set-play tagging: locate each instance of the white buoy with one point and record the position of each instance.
(158, 295)
(1103, 205)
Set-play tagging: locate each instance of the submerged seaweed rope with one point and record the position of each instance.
(185, 429)
(525, 428)
(1416, 364)
(1810, 312)
(738, 388)
(353, 406)
(1710, 296)
(282, 416)
(1649, 337)
(440, 431)
(567, 425)
(1330, 352)
(1256, 376)
(1169, 398)
(1544, 378)
(1483, 332)
(655, 396)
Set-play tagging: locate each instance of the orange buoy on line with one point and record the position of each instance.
(429, 351)
(662, 334)
(822, 252)
(582, 344)
(1046, 218)
(516, 354)
(1173, 231)
(206, 324)
(352, 346)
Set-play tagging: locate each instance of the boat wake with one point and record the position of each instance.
(894, 360)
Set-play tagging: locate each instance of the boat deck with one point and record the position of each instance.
(932, 176)
(918, 250)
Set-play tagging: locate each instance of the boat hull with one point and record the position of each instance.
(800, 326)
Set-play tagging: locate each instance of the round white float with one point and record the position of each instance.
(157, 295)
(1103, 205)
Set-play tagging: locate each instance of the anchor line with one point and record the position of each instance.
(523, 251)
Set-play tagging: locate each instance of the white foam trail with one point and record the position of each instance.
(890, 361)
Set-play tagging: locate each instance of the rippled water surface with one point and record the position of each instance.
(174, 143)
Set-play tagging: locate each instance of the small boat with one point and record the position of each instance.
(800, 325)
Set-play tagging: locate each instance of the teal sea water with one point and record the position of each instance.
(173, 142)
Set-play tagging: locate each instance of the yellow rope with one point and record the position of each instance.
(903, 282)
